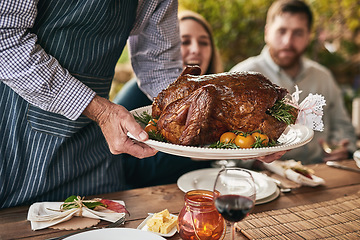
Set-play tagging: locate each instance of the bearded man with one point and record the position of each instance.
(287, 35)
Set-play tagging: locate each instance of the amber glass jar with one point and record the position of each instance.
(199, 219)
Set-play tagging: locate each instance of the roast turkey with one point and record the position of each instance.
(196, 110)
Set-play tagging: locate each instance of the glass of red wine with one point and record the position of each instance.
(234, 195)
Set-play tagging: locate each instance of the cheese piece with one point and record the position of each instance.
(168, 225)
(161, 222)
(163, 214)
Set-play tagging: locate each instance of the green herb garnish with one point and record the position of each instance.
(156, 136)
(76, 202)
(258, 143)
(143, 118)
(282, 112)
(219, 144)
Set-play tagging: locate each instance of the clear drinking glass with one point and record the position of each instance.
(234, 195)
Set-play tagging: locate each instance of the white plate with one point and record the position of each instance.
(293, 137)
(356, 157)
(144, 227)
(205, 178)
(115, 234)
(270, 198)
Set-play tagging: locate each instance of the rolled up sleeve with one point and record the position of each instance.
(32, 73)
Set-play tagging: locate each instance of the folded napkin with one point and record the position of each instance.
(283, 168)
(357, 158)
(46, 214)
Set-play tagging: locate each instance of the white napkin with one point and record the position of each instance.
(277, 167)
(357, 158)
(310, 109)
(41, 215)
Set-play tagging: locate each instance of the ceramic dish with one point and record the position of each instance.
(144, 227)
(205, 178)
(270, 198)
(293, 137)
(115, 234)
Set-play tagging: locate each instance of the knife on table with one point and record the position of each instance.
(338, 165)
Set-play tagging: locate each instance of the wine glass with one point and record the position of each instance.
(234, 195)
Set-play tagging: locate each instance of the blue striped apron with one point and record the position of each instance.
(44, 156)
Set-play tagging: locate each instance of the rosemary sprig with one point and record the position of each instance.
(156, 136)
(282, 112)
(272, 143)
(238, 132)
(219, 144)
(258, 143)
(143, 118)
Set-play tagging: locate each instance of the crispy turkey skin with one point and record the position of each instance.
(196, 110)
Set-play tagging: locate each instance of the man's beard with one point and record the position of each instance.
(286, 62)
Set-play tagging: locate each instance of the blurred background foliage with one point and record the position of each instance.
(238, 27)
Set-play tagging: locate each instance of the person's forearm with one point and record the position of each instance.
(96, 108)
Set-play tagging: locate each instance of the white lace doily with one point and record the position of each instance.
(310, 109)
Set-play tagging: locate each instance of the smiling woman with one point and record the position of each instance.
(197, 48)
(197, 43)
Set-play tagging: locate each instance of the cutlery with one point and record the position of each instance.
(111, 225)
(338, 165)
(326, 147)
(279, 185)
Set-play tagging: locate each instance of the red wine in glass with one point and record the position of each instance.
(234, 208)
(234, 195)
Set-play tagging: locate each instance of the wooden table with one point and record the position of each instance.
(339, 183)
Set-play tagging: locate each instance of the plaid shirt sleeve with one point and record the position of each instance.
(155, 45)
(30, 71)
